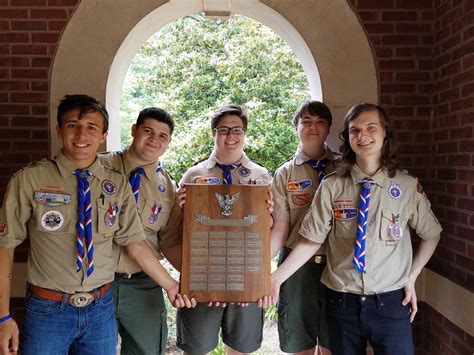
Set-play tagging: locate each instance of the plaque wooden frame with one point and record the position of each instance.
(226, 258)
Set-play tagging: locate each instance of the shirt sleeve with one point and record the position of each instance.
(15, 212)
(281, 210)
(130, 223)
(317, 223)
(423, 220)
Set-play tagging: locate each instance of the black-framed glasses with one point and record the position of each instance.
(224, 130)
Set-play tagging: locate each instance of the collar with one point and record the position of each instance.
(379, 177)
(129, 165)
(66, 167)
(301, 157)
(211, 161)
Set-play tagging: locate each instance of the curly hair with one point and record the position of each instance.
(388, 160)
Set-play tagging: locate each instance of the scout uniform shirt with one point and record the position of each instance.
(41, 203)
(158, 208)
(293, 188)
(395, 205)
(207, 172)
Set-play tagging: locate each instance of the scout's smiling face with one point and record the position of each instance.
(150, 140)
(81, 136)
(367, 135)
(230, 145)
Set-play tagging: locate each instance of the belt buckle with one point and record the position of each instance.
(319, 259)
(81, 299)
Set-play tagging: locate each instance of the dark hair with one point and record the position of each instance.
(158, 114)
(348, 158)
(227, 110)
(314, 108)
(85, 104)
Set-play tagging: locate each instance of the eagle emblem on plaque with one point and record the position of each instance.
(227, 202)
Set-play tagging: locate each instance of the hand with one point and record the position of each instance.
(217, 304)
(181, 195)
(272, 300)
(270, 202)
(9, 337)
(410, 298)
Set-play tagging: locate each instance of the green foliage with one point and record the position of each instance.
(194, 65)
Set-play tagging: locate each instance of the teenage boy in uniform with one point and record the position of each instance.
(73, 209)
(198, 328)
(365, 211)
(139, 304)
(301, 311)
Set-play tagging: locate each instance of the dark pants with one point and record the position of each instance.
(380, 319)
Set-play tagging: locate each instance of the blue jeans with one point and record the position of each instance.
(58, 328)
(380, 319)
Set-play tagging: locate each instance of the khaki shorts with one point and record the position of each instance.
(198, 328)
(302, 320)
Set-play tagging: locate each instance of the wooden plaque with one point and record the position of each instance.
(226, 243)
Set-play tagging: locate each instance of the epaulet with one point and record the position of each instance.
(32, 165)
(260, 164)
(329, 175)
(111, 168)
(407, 173)
(201, 160)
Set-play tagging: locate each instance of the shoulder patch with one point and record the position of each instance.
(286, 161)
(329, 175)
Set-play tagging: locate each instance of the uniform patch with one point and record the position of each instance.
(252, 182)
(394, 229)
(299, 185)
(301, 199)
(3, 228)
(207, 180)
(108, 187)
(343, 204)
(52, 198)
(153, 217)
(394, 190)
(52, 220)
(244, 171)
(161, 188)
(391, 243)
(110, 217)
(345, 214)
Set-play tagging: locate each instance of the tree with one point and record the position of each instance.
(194, 65)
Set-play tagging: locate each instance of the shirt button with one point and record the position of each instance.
(362, 299)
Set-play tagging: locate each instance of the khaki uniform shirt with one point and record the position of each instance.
(208, 172)
(396, 203)
(41, 203)
(158, 208)
(293, 188)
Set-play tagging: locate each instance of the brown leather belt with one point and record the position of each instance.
(79, 299)
(317, 259)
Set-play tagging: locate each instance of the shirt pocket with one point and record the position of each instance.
(345, 228)
(108, 214)
(155, 215)
(56, 219)
(392, 225)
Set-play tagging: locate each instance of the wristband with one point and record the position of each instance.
(4, 319)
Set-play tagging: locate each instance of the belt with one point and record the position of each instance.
(79, 299)
(124, 275)
(317, 259)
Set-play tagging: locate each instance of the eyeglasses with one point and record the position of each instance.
(224, 130)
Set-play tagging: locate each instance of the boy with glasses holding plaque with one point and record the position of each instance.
(198, 328)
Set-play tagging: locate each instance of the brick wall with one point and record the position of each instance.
(29, 33)
(453, 143)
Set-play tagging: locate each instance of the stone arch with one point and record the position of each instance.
(102, 38)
